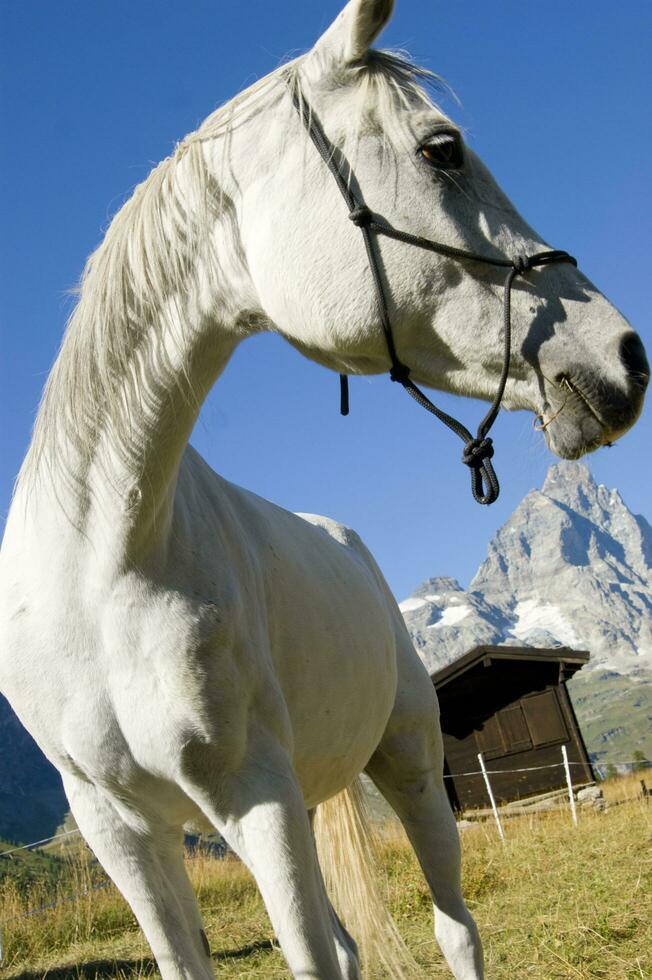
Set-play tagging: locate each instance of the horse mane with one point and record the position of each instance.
(149, 259)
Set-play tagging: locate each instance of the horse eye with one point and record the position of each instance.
(444, 151)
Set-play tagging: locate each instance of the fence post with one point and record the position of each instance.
(491, 796)
(571, 797)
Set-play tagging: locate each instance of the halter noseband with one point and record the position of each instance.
(478, 450)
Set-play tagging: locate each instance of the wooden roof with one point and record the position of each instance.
(570, 661)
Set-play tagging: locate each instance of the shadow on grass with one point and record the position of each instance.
(109, 968)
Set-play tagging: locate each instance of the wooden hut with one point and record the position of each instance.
(511, 704)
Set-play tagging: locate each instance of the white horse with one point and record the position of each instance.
(182, 649)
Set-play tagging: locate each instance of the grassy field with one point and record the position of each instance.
(553, 902)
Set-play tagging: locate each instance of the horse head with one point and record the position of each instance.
(575, 361)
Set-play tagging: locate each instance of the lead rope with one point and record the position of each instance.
(478, 449)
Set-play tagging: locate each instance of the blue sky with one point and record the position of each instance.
(555, 98)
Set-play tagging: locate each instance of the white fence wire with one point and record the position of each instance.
(632, 764)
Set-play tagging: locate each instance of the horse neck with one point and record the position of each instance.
(119, 496)
(113, 484)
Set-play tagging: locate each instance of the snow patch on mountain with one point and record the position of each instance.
(532, 615)
(409, 605)
(451, 616)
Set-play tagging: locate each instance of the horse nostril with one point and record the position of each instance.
(632, 354)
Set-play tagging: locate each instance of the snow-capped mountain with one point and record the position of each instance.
(572, 567)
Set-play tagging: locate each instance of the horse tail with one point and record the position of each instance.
(347, 856)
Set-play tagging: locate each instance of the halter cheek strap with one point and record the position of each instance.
(478, 450)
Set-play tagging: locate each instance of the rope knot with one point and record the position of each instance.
(522, 263)
(399, 372)
(476, 451)
(361, 216)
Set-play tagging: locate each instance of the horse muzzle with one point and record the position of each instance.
(588, 411)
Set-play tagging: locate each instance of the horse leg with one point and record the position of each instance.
(345, 945)
(146, 863)
(259, 810)
(407, 768)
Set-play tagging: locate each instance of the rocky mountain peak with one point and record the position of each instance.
(572, 565)
(440, 583)
(563, 479)
(572, 485)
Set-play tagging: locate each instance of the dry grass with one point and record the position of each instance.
(553, 903)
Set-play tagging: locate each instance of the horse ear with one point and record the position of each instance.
(348, 38)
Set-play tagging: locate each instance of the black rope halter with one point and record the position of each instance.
(478, 449)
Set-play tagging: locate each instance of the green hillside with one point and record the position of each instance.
(614, 712)
(28, 868)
